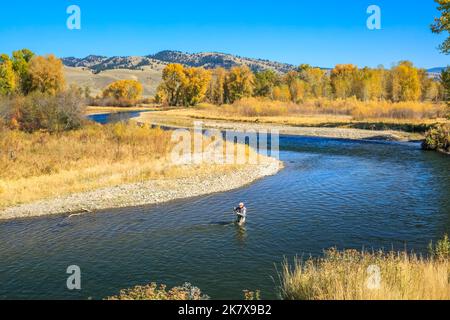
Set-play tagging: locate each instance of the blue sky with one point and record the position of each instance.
(322, 33)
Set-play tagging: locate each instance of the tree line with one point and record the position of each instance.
(187, 86)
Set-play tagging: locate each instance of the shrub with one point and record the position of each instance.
(441, 250)
(252, 295)
(438, 138)
(41, 111)
(155, 292)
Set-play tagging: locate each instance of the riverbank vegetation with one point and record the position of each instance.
(438, 139)
(362, 275)
(161, 293)
(274, 113)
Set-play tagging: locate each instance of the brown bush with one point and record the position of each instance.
(41, 111)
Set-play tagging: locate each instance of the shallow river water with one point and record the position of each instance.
(332, 193)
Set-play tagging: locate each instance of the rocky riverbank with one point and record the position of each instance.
(180, 121)
(150, 192)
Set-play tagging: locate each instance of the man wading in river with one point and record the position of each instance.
(241, 213)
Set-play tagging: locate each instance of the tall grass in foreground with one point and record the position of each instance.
(348, 275)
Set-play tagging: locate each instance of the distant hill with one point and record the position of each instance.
(150, 77)
(100, 63)
(209, 60)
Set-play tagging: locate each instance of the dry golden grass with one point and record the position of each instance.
(358, 110)
(41, 165)
(349, 275)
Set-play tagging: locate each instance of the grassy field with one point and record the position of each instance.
(41, 165)
(353, 275)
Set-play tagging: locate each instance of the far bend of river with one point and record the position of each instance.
(340, 193)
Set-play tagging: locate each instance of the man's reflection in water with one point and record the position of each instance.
(241, 235)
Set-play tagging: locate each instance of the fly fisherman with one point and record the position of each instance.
(241, 213)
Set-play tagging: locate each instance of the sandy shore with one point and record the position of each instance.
(151, 192)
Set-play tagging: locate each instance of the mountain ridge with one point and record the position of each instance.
(208, 60)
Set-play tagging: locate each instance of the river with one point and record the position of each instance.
(349, 194)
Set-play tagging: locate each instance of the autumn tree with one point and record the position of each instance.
(265, 82)
(442, 24)
(318, 83)
(298, 90)
(216, 87)
(343, 79)
(130, 90)
(369, 84)
(405, 82)
(182, 86)
(46, 74)
(282, 93)
(7, 75)
(239, 83)
(173, 82)
(21, 65)
(195, 87)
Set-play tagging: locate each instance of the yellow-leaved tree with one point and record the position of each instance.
(343, 80)
(216, 87)
(182, 86)
(46, 74)
(195, 86)
(239, 83)
(7, 76)
(130, 90)
(405, 82)
(171, 87)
